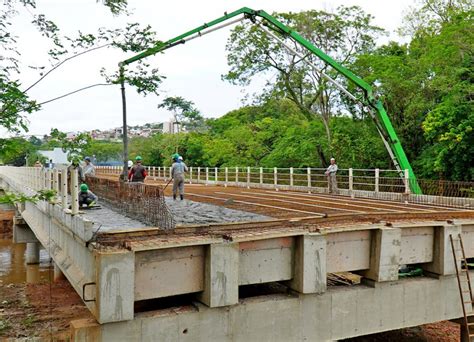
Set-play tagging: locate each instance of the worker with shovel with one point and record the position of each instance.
(178, 170)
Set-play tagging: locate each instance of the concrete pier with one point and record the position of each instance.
(339, 313)
(58, 275)
(32, 253)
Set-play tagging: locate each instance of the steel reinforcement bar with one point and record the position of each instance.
(144, 202)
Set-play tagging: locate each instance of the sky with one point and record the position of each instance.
(192, 70)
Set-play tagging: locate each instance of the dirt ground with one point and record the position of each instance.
(27, 310)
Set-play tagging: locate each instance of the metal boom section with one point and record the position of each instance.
(375, 106)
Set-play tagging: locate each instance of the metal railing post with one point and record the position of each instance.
(56, 183)
(351, 179)
(308, 172)
(226, 176)
(190, 175)
(74, 193)
(248, 177)
(377, 179)
(216, 175)
(48, 180)
(237, 174)
(64, 187)
(291, 176)
(275, 178)
(261, 175)
(207, 175)
(199, 174)
(407, 182)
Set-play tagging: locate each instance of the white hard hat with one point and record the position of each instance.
(333, 159)
(130, 163)
(180, 158)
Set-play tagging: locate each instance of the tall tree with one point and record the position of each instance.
(343, 35)
(427, 87)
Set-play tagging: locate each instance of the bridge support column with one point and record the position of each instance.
(221, 275)
(32, 253)
(22, 233)
(384, 255)
(32, 274)
(443, 260)
(309, 270)
(58, 275)
(114, 288)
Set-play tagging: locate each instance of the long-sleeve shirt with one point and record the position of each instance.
(178, 169)
(87, 197)
(332, 169)
(89, 170)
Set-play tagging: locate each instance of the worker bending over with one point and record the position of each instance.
(86, 197)
(138, 172)
(331, 173)
(177, 173)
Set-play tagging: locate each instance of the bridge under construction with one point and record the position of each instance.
(268, 276)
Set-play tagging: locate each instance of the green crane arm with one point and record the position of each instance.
(380, 116)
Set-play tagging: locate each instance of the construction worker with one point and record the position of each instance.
(86, 197)
(331, 174)
(177, 173)
(89, 168)
(138, 172)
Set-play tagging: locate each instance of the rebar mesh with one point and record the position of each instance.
(143, 202)
(447, 188)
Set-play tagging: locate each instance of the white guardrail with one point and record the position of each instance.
(376, 180)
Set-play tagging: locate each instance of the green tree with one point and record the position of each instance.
(16, 151)
(343, 35)
(427, 87)
(185, 114)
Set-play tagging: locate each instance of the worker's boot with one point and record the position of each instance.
(174, 197)
(182, 197)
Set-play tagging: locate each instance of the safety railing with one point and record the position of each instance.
(34, 179)
(377, 183)
(349, 179)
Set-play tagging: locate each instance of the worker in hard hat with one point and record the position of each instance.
(178, 170)
(138, 172)
(331, 174)
(86, 197)
(89, 168)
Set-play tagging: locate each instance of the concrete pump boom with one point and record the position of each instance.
(374, 105)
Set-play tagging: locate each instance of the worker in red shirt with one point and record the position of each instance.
(138, 172)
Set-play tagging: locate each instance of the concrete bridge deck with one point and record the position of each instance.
(119, 272)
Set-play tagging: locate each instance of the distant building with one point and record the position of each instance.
(172, 127)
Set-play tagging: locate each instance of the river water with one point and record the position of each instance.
(13, 268)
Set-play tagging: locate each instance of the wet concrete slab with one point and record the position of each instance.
(184, 212)
(190, 212)
(107, 219)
